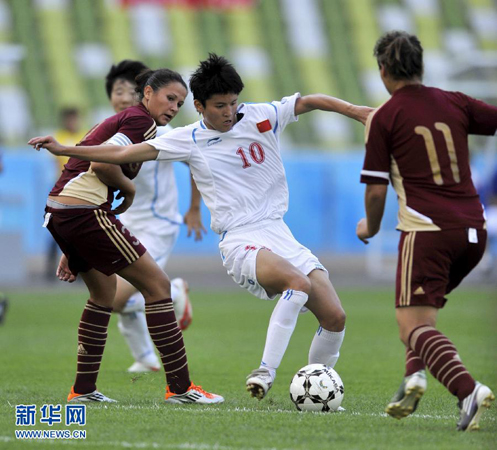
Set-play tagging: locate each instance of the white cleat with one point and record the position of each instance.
(406, 399)
(194, 394)
(472, 407)
(139, 367)
(94, 396)
(181, 303)
(259, 382)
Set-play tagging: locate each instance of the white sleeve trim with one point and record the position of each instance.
(119, 139)
(373, 173)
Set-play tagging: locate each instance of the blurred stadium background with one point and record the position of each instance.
(54, 54)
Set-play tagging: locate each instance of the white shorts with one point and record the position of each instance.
(239, 248)
(159, 246)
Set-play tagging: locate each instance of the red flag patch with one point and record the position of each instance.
(264, 126)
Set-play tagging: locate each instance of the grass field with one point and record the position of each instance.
(37, 365)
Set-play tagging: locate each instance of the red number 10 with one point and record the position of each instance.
(256, 152)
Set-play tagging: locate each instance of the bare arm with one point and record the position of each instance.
(375, 206)
(193, 217)
(114, 154)
(112, 175)
(326, 103)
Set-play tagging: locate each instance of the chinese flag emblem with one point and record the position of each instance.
(264, 126)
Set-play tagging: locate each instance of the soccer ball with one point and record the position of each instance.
(316, 387)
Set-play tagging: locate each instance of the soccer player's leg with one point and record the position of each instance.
(153, 283)
(276, 275)
(92, 336)
(325, 305)
(440, 261)
(413, 386)
(132, 323)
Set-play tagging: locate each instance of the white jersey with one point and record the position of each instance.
(155, 207)
(239, 173)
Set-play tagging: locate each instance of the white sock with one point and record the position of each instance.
(281, 326)
(134, 328)
(325, 347)
(174, 291)
(135, 303)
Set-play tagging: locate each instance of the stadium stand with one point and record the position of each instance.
(279, 46)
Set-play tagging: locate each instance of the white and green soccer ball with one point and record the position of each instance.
(316, 387)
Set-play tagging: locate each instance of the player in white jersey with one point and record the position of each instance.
(234, 156)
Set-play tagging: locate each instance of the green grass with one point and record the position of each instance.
(224, 343)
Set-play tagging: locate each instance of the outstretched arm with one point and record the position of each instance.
(375, 205)
(114, 154)
(323, 102)
(193, 217)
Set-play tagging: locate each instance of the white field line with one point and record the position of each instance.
(131, 445)
(209, 410)
(195, 409)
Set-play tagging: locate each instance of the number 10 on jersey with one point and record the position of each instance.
(256, 153)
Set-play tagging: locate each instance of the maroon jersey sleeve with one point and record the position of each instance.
(482, 117)
(376, 168)
(138, 128)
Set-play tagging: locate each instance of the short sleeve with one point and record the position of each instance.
(376, 168)
(138, 128)
(285, 112)
(482, 117)
(176, 145)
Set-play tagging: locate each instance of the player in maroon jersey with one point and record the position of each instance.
(419, 140)
(98, 246)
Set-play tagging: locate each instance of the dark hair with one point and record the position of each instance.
(400, 54)
(215, 75)
(68, 112)
(125, 70)
(157, 79)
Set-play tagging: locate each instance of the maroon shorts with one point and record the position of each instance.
(93, 239)
(432, 263)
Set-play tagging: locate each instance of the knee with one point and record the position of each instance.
(301, 283)
(334, 322)
(102, 297)
(160, 289)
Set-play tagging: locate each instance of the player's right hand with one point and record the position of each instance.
(128, 197)
(47, 142)
(63, 271)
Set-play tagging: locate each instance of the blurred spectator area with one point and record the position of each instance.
(55, 53)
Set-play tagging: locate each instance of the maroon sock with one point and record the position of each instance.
(168, 339)
(440, 355)
(413, 363)
(92, 334)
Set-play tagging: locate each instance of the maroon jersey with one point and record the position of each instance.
(419, 140)
(131, 126)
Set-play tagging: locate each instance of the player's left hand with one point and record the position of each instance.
(362, 231)
(193, 221)
(362, 113)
